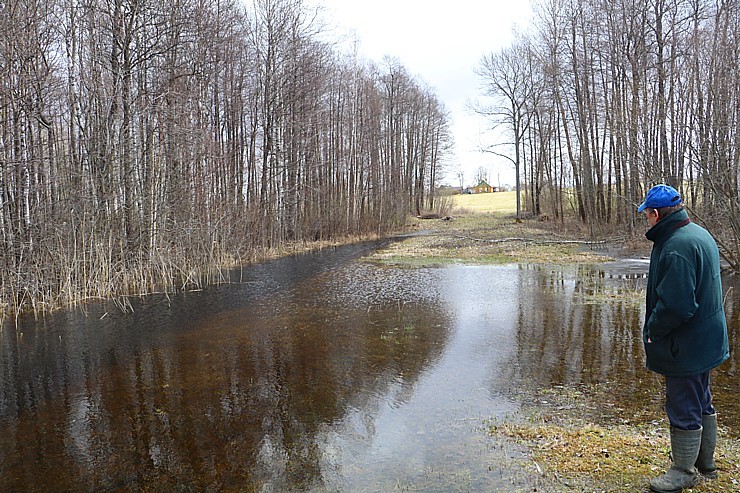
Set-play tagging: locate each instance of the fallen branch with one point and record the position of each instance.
(532, 240)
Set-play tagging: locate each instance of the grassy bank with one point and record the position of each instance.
(483, 229)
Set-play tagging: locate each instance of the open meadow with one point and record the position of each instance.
(482, 229)
(497, 202)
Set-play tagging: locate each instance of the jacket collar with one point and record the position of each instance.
(668, 225)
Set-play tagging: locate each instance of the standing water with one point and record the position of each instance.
(318, 373)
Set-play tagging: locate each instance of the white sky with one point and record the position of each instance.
(441, 44)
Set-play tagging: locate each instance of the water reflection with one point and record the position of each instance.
(581, 327)
(317, 373)
(226, 389)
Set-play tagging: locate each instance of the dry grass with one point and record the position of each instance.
(486, 238)
(620, 458)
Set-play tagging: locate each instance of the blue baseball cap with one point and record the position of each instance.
(660, 196)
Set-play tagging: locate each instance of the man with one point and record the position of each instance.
(685, 333)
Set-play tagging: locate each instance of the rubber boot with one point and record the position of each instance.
(682, 474)
(705, 461)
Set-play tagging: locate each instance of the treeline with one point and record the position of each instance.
(605, 98)
(146, 142)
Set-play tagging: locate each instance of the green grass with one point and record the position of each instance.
(497, 202)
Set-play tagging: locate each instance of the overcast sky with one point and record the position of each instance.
(440, 43)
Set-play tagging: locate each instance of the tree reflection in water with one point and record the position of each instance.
(582, 327)
(317, 373)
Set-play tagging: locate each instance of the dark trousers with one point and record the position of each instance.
(686, 399)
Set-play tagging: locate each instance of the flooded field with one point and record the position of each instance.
(323, 373)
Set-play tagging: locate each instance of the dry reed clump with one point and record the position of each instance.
(75, 276)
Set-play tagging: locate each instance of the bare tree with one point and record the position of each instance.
(505, 80)
(621, 95)
(148, 144)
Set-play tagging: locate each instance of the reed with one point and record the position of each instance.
(82, 262)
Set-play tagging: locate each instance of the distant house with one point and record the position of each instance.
(482, 187)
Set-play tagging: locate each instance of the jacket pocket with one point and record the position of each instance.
(660, 356)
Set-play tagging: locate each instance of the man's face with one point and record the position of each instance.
(652, 216)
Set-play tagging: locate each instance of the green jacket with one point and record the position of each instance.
(685, 331)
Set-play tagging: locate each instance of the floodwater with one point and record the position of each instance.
(323, 373)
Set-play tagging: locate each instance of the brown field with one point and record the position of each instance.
(499, 202)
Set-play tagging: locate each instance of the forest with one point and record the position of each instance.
(150, 144)
(147, 144)
(604, 98)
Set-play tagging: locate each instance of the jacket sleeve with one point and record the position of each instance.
(676, 295)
